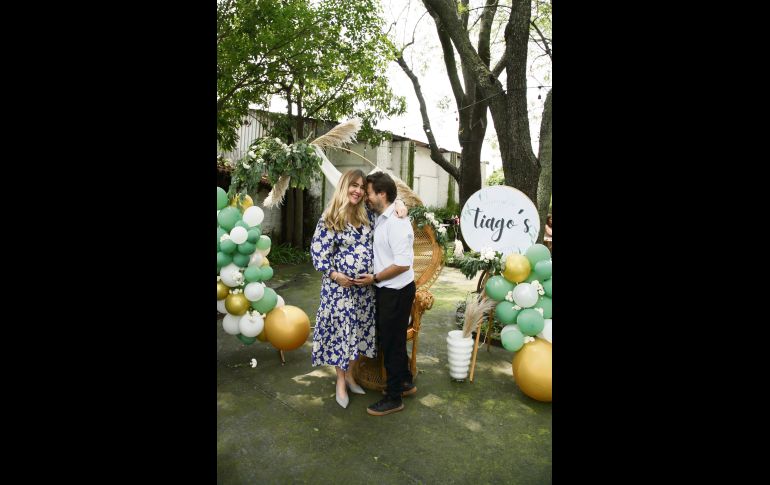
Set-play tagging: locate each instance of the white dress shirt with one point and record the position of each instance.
(393, 244)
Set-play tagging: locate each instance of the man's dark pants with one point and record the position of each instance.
(393, 308)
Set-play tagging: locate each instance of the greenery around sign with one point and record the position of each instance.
(473, 261)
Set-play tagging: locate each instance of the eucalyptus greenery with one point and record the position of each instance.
(272, 158)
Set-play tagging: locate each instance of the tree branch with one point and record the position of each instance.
(485, 32)
(545, 41)
(451, 64)
(313, 111)
(461, 41)
(506, 55)
(238, 85)
(435, 153)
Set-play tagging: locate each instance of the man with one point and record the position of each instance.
(394, 281)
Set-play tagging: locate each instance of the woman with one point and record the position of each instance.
(342, 249)
(548, 238)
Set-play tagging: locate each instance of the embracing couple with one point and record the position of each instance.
(363, 245)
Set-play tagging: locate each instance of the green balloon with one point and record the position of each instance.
(543, 270)
(547, 288)
(252, 273)
(227, 218)
(267, 302)
(246, 340)
(247, 248)
(505, 313)
(220, 232)
(530, 322)
(264, 242)
(537, 253)
(241, 260)
(223, 259)
(545, 303)
(254, 234)
(242, 224)
(228, 246)
(221, 198)
(497, 287)
(532, 277)
(513, 340)
(266, 272)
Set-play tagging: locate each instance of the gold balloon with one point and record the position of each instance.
(287, 327)
(532, 369)
(265, 262)
(237, 304)
(245, 204)
(222, 290)
(262, 337)
(517, 268)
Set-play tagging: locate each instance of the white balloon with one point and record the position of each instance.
(263, 252)
(230, 324)
(507, 329)
(547, 332)
(253, 216)
(231, 275)
(256, 257)
(239, 235)
(221, 306)
(279, 303)
(251, 324)
(254, 291)
(525, 295)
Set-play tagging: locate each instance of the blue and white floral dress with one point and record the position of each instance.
(344, 323)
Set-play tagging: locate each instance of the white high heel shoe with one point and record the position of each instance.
(342, 401)
(355, 388)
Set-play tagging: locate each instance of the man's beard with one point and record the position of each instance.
(374, 206)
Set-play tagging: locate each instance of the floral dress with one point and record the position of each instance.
(344, 324)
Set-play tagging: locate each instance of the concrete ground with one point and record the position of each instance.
(281, 424)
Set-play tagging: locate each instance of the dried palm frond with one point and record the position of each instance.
(476, 310)
(275, 197)
(341, 134)
(404, 192)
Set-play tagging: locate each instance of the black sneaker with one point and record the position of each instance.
(406, 390)
(385, 406)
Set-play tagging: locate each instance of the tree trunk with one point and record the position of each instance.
(470, 172)
(297, 240)
(508, 107)
(288, 217)
(544, 156)
(521, 168)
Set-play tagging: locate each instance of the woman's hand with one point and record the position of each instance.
(401, 210)
(343, 280)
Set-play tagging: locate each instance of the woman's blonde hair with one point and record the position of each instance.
(339, 211)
